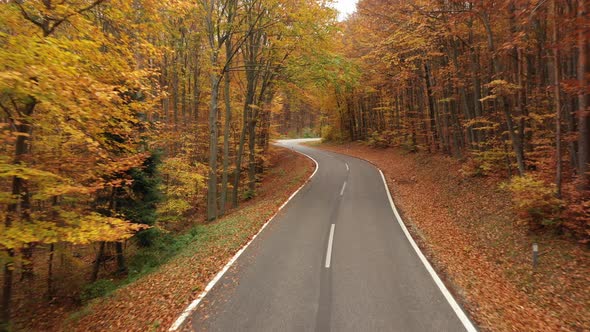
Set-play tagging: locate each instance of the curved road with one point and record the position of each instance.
(334, 259)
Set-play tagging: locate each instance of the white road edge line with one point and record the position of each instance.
(347, 168)
(329, 250)
(452, 302)
(181, 320)
(343, 187)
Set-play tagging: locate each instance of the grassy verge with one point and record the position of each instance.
(143, 262)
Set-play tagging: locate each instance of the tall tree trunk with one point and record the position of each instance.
(240, 153)
(27, 262)
(121, 266)
(503, 102)
(476, 82)
(556, 97)
(21, 205)
(183, 83)
(98, 261)
(570, 112)
(431, 110)
(226, 131)
(213, 132)
(245, 126)
(196, 91)
(467, 112)
(7, 291)
(583, 112)
(50, 272)
(521, 107)
(175, 89)
(213, 35)
(264, 139)
(252, 153)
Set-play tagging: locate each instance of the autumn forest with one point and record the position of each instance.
(126, 124)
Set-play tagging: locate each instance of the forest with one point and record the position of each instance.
(123, 123)
(500, 85)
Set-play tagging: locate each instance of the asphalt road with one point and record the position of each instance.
(334, 259)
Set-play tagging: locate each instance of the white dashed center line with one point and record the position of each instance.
(329, 250)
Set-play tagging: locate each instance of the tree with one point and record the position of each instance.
(474, 80)
(583, 112)
(54, 99)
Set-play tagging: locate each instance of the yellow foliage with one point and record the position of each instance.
(66, 88)
(535, 201)
(502, 88)
(76, 227)
(182, 185)
(488, 162)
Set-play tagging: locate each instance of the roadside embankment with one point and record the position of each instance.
(467, 228)
(154, 301)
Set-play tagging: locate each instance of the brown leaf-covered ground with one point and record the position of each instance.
(468, 231)
(154, 301)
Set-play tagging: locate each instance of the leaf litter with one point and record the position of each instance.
(467, 229)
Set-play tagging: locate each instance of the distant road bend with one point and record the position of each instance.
(334, 259)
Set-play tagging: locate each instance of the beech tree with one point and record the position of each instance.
(58, 110)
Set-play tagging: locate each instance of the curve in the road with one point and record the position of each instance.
(332, 259)
(181, 320)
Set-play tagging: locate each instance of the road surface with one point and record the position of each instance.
(334, 259)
